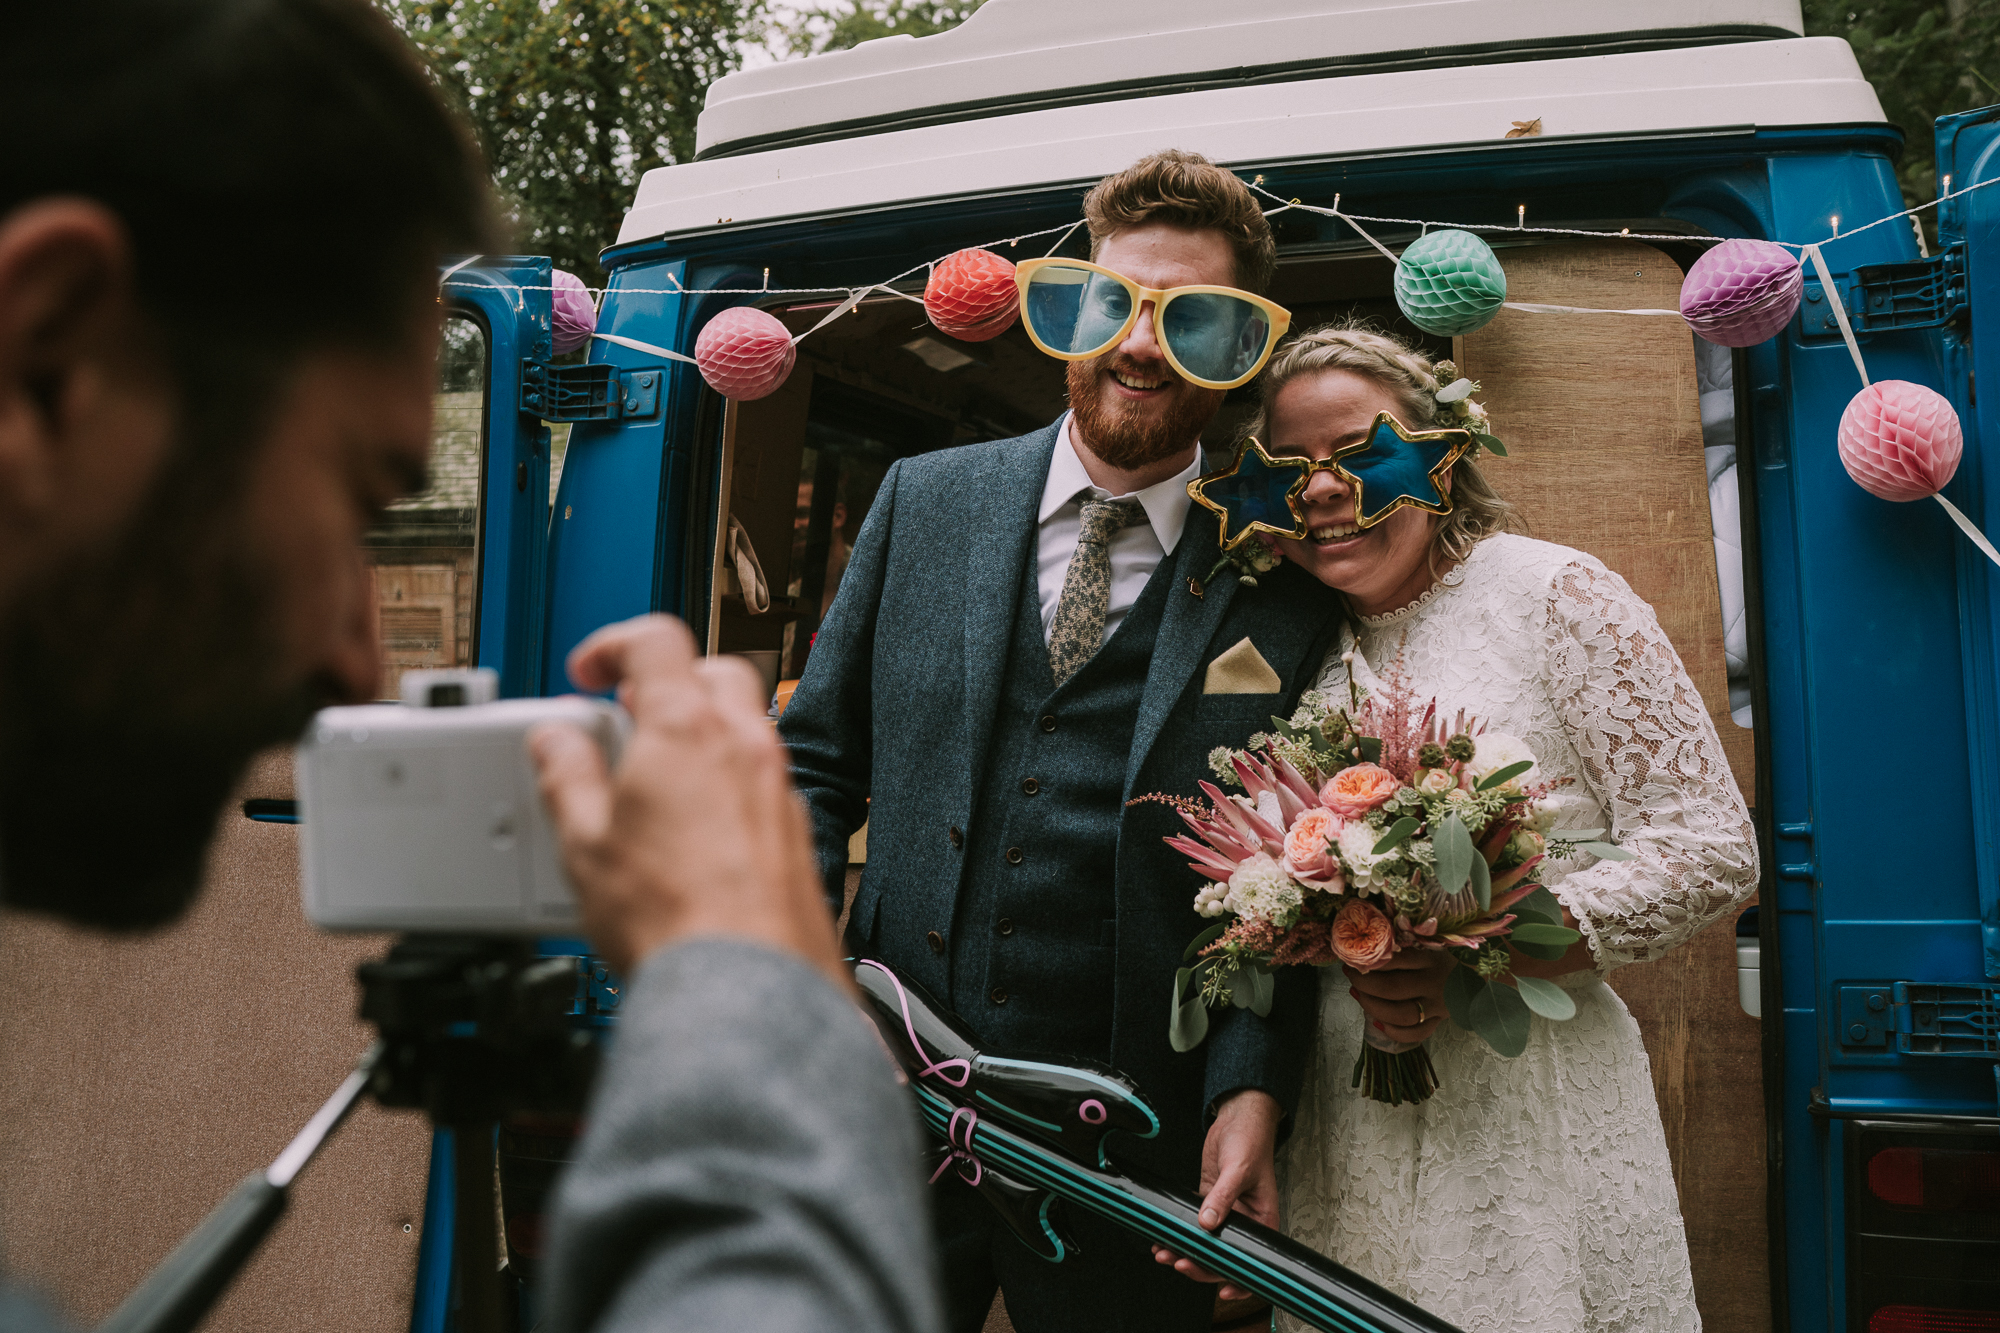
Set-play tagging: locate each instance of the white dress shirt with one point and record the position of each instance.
(1135, 551)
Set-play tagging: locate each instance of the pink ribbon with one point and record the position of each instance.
(961, 1153)
(964, 1067)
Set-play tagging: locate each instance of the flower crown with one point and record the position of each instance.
(1455, 408)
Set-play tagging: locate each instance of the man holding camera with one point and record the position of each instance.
(220, 225)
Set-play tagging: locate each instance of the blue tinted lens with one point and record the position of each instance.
(1254, 491)
(1214, 336)
(1394, 471)
(1075, 309)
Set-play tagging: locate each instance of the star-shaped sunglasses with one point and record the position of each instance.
(1392, 466)
(1217, 337)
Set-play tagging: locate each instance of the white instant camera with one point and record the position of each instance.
(425, 815)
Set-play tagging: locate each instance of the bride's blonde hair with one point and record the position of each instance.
(1477, 510)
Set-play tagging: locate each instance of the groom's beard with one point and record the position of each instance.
(1126, 439)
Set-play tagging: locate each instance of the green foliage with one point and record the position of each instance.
(1926, 58)
(573, 100)
(839, 26)
(1188, 1023)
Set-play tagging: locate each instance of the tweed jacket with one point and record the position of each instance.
(895, 715)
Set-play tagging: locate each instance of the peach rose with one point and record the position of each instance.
(1308, 854)
(1353, 792)
(1362, 936)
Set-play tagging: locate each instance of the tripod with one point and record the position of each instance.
(471, 1029)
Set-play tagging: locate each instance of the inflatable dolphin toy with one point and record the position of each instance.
(1032, 1136)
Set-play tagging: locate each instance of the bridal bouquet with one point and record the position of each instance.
(1360, 832)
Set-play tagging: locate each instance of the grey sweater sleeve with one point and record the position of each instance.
(21, 1313)
(750, 1163)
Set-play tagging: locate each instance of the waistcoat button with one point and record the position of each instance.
(956, 836)
(999, 995)
(1048, 721)
(1029, 786)
(1013, 856)
(1006, 926)
(936, 941)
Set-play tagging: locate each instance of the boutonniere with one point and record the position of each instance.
(1259, 555)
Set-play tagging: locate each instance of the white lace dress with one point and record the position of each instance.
(1534, 1194)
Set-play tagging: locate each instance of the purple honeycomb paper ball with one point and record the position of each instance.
(573, 318)
(1742, 292)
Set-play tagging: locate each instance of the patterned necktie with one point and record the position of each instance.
(1078, 628)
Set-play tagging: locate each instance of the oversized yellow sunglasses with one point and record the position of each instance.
(1217, 337)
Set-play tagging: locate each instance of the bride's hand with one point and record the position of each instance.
(1403, 998)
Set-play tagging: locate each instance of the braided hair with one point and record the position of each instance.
(1477, 510)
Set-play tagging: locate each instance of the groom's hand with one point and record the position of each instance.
(1239, 1173)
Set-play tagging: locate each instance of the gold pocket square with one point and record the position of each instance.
(1241, 670)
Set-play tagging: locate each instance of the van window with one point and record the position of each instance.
(424, 554)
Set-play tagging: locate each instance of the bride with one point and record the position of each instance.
(1531, 1193)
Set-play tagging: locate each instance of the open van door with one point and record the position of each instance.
(1907, 1136)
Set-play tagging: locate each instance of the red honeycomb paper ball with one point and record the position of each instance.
(744, 353)
(1900, 440)
(971, 296)
(1741, 292)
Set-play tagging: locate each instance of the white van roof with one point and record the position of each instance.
(1018, 55)
(1708, 89)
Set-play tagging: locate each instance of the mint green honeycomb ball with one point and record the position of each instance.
(1449, 282)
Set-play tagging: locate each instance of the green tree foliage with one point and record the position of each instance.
(574, 99)
(839, 26)
(1926, 58)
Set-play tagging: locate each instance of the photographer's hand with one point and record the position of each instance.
(697, 831)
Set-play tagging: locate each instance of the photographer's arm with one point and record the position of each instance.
(751, 1161)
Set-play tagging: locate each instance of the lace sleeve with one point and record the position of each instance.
(1651, 756)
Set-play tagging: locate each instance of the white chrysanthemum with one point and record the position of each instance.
(1261, 889)
(1212, 900)
(1497, 750)
(1356, 842)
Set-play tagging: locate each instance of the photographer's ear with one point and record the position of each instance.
(86, 411)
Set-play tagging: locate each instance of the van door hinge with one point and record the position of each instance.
(1922, 294)
(1943, 1019)
(588, 393)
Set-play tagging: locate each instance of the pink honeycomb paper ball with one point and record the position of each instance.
(1900, 440)
(1741, 292)
(971, 295)
(744, 353)
(574, 317)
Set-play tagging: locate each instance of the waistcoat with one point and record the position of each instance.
(1034, 940)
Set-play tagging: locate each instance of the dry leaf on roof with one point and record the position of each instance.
(1525, 129)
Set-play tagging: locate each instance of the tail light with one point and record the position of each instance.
(1923, 1228)
(1926, 1319)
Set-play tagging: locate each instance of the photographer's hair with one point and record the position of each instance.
(1477, 510)
(285, 171)
(1186, 190)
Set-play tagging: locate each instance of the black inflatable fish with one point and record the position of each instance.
(1033, 1135)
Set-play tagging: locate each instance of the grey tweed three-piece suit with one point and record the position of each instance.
(1007, 871)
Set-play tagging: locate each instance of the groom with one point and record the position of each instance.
(1022, 644)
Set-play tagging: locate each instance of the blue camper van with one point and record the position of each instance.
(1833, 1121)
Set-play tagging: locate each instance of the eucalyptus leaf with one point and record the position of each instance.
(1187, 1024)
(1490, 444)
(1548, 953)
(1576, 834)
(1546, 998)
(1203, 940)
(1461, 985)
(1499, 776)
(1455, 854)
(1541, 905)
(1605, 851)
(1535, 932)
(1500, 1015)
(1284, 727)
(1482, 881)
(1397, 834)
(1370, 747)
(1252, 989)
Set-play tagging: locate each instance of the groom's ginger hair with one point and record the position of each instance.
(1185, 189)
